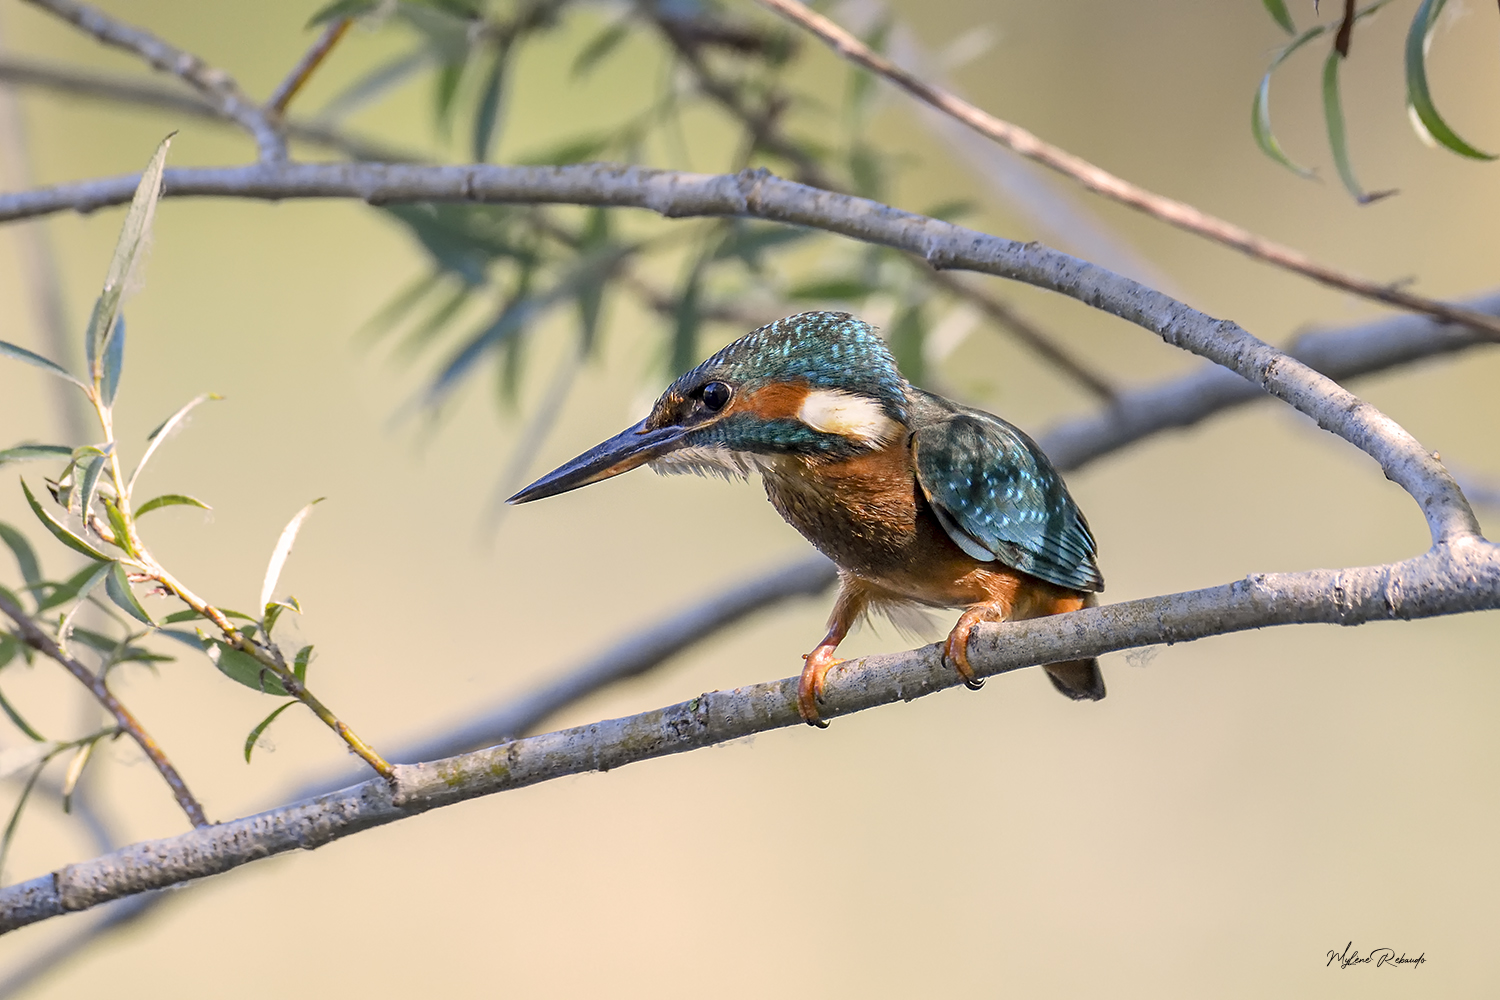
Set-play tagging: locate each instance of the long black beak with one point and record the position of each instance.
(621, 453)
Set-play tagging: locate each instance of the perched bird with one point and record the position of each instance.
(918, 500)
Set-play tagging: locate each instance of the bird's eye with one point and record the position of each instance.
(715, 395)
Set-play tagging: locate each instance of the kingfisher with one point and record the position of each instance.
(919, 501)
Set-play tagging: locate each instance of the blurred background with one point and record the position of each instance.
(1233, 810)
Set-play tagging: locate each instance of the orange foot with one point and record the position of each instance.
(956, 649)
(810, 687)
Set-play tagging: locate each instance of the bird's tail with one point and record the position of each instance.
(1080, 680)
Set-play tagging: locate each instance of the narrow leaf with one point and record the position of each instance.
(97, 574)
(114, 362)
(15, 814)
(299, 664)
(88, 485)
(1279, 13)
(598, 47)
(374, 84)
(1260, 105)
(18, 722)
(161, 433)
(170, 500)
(274, 610)
(1260, 128)
(134, 235)
(340, 9)
(118, 526)
(31, 570)
(244, 669)
(117, 585)
(1425, 119)
(487, 117)
(255, 733)
(1338, 139)
(283, 549)
(9, 350)
(64, 592)
(31, 452)
(687, 318)
(75, 771)
(63, 533)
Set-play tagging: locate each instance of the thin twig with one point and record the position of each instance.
(42, 642)
(1179, 214)
(1028, 333)
(310, 61)
(213, 83)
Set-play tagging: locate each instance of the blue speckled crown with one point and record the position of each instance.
(828, 350)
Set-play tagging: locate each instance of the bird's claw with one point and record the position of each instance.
(956, 649)
(810, 686)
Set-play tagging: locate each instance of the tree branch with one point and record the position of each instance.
(310, 61)
(1177, 403)
(217, 86)
(42, 642)
(1012, 322)
(1171, 211)
(1461, 575)
(756, 193)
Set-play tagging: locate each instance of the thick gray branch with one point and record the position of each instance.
(756, 193)
(1463, 575)
(213, 83)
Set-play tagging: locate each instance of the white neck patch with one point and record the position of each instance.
(849, 415)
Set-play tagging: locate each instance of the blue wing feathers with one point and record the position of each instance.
(998, 498)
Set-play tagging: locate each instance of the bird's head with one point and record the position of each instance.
(818, 385)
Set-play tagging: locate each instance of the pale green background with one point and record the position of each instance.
(1236, 807)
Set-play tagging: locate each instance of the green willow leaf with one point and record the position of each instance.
(340, 9)
(170, 500)
(245, 669)
(1279, 14)
(31, 570)
(274, 610)
(18, 722)
(256, 733)
(1338, 138)
(299, 664)
(32, 452)
(487, 117)
(598, 47)
(1260, 129)
(1424, 114)
(64, 592)
(1260, 104)
(61, 531)
(88, 485)
(114, 363)
(134, 235)
(9, 350)
(117, 586)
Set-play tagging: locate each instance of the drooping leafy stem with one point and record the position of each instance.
(95, 477)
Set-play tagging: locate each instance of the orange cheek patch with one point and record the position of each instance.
(771, 402)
